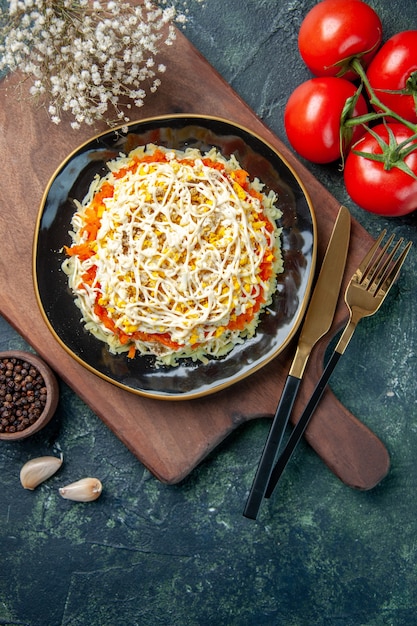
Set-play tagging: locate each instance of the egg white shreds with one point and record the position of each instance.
(174, 254)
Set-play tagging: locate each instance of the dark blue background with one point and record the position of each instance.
(147, 554)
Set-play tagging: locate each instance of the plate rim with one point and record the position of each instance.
(222, 384)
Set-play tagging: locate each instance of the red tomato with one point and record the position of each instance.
(395, 67)
(313, 118)
(335, 31)
(385, 190)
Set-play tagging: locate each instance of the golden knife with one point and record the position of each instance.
(317, 322)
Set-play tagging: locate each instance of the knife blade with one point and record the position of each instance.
(317, 322)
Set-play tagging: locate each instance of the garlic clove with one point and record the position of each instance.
(36, 471)
(84, 490)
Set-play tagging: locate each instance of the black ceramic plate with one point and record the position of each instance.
(188, 380)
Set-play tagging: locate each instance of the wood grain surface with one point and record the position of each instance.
(169, 438)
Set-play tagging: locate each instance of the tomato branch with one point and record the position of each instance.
(375, 101)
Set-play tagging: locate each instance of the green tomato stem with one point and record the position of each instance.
(375, 101)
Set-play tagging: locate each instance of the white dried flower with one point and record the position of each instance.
(89, 59)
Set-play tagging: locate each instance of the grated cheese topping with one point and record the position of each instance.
(174, 254)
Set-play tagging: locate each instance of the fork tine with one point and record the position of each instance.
(391, 272)
(382, 265)
(374, 267)
(367, 261)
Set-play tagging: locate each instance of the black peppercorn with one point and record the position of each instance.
(22, 395)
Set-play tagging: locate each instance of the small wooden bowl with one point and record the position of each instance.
(52, 394)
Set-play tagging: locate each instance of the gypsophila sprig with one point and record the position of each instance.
(91, 59)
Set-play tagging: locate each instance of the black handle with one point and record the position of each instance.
(302, 424)
(271, 447)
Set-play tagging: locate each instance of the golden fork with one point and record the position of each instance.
(364, 295)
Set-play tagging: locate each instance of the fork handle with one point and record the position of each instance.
(271, 447)
(302, 424)
(311, 406)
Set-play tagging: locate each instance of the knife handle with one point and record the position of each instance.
(302, 424)
(271, 447)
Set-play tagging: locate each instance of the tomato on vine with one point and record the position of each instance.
(315, 117)
(392, 74)
(335, 31)
(381, 170)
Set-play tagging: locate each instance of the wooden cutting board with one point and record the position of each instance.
(169, 438)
